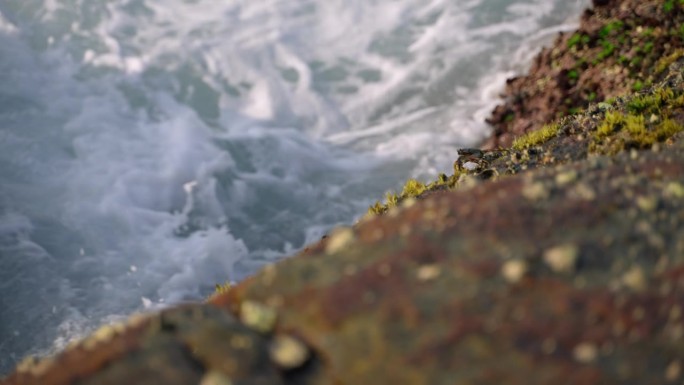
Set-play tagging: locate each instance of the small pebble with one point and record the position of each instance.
(428, 272)
(513, 271)
(35, 366)
(339, 240)
(635, 279)
(566, 177)
(562, 259)
(535, 191)
(673, 372)
(216, 378)
(27, 364)
(585, 353)
(102, 335)
(288, 352)
(585, 192)
(257, 316)
(409, 202)
(647, 204)
(675, 190)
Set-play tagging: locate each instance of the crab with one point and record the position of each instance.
(471, 155)
(476, 161)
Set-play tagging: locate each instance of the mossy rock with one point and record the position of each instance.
(636, 121)
(620, 47)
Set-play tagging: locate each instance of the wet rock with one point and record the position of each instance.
(565, 266)
(191, 344)
(491, 290)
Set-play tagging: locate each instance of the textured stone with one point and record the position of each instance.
(547, 265)
(191, 344)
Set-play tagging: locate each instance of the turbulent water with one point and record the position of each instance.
(149, 149)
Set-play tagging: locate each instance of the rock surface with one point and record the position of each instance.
(559, 260)
(620, 46)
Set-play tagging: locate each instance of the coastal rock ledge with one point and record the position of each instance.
(558, 259)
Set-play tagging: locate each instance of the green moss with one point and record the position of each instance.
(608, 31)
(442, 179)
(643, 136)
(638, 86)
(668, 128)
(607, 51)
(574, 40)
(634, 124)
(648, 47)
(611, 123)
(651, 103)
(578, 39)
(610, 28)
(678, 101)
(391, 200)
(643, 121)
(636, 121)
(648, 31)
(669, 5)
(222, 288)
(666, 61)
(412, 188)
(376, 208)
(535, 138)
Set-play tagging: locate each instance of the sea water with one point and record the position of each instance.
(152, 149)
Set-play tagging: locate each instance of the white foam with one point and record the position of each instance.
(6, 26)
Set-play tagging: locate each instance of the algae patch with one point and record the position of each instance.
(536, 138)
(645, 120)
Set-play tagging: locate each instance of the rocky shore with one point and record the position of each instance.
(621, 46)
(554, 255)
